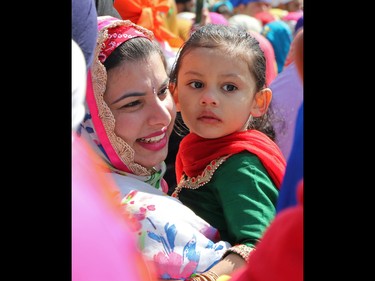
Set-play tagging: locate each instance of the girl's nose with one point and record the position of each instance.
(209, 97)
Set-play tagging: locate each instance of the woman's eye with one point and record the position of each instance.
(230, 88)
(196, 85)
(163, 91)
(131, 104)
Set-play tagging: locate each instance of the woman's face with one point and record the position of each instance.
(138, 96)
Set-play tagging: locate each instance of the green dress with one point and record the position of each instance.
(239, 200)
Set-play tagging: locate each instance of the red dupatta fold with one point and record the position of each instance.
(195, 153)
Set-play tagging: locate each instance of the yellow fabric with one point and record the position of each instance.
(223, 278)
(178, 26)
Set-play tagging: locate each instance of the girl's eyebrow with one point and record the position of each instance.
(128, 95)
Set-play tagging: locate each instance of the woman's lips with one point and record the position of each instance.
(154, 143)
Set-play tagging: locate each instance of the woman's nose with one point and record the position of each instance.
(160, 113)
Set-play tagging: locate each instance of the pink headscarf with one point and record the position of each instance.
(100, 123)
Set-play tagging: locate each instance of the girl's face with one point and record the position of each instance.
(215, 92)
(143, 108)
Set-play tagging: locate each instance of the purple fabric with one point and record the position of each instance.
(84, 27)
(236, 3)
(287, 96)
(294, 168)
(299, 24)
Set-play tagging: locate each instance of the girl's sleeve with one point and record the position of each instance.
(247, 196)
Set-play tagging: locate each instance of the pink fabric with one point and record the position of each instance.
(99, 127)
(294, 16)
(217, 18)
(103, 244)
(117, 36)
(265, 17)
(269, 53)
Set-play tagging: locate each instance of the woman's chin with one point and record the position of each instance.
(154, 159)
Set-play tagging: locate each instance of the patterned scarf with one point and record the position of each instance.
(99, 123)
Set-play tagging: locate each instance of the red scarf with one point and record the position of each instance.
(195, 153)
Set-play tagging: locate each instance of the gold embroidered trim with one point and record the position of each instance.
(202, 179)
(241, 250)
(99, 79)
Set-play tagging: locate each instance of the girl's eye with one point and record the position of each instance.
(196, 85)
(230, 88)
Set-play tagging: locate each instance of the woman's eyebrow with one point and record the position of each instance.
(128, 95)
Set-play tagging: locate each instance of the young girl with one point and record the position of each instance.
(228, 170)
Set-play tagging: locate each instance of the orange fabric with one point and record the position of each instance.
(147, 13)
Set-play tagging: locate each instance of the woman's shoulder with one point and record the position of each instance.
(127, 183)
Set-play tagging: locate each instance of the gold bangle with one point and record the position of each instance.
(211, 275)
(241, 250)
(206, 276)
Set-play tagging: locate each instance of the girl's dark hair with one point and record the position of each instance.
(135, 49)
(233, 41)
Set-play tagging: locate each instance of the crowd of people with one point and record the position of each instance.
(187, 140)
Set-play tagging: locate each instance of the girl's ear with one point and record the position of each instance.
(174, 92)
(261, 103)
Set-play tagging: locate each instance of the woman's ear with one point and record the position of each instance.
(174, 92)
(261, 103)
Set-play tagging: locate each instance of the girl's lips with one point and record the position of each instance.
(208, 117)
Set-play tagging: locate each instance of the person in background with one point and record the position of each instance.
(129, 117)
(224, 8)
(291, 5)
(185, 6)
(106, 8)
(295, 12)
(287, 91)
(281, 37)
(228, 168)
(298, 26)
(179, 26)
(84, 28)
(251, 7)
(151, 15)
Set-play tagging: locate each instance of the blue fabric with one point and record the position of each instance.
(294, 168)
(279, 34)
(218, 4)
(299, 24)
(84, 27)
(236, 3)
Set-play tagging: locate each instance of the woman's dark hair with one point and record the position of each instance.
(135, 49)
(233, 41)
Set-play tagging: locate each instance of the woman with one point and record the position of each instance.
(130, 116)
